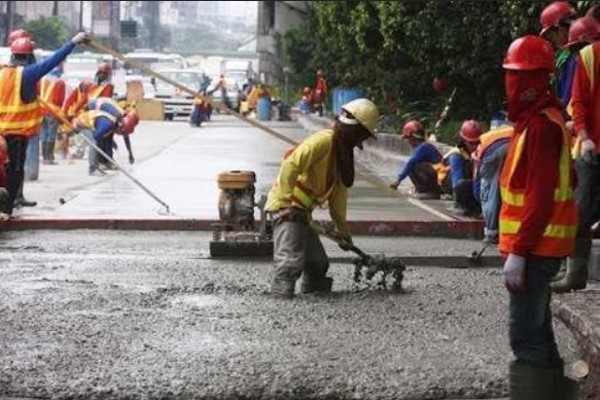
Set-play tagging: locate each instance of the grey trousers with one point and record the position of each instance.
(297, 250)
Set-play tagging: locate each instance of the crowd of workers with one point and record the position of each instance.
(535, 178)
(36, 107)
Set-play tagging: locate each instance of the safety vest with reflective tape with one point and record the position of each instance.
(87, 120)
(559, 235)
(98, 91)
(491, 137)
(16, 116)
(107, 105)
(47, 88)
(588, 59)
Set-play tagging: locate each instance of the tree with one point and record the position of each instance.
(47, 32)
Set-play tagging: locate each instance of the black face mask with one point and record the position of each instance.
(22, 60)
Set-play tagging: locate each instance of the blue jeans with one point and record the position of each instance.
(489, 173)
(530, 318)
(49, 129)
(32, 159)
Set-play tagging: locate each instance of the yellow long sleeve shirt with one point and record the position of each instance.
(310, 165)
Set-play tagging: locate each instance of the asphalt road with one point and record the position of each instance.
(147, 315)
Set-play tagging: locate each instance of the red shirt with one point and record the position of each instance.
(537, 172)
(585, 99)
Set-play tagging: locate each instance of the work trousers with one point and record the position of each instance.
(530, 318)
(297, 250)
(489, 196)
(587, 197)
(49, 129)
(464, 198)
(424, 177)
(32, 158)
(92, 152)
(15, 170)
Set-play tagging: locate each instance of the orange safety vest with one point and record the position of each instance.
(78, 104)
(47, 88)
(491, 137)
(558, 238)
(97, 91)
(100, 101)
(87, 120)
(16, 116)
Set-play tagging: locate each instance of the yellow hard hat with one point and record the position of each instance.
(365, 112)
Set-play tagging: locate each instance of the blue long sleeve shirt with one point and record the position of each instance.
(564, 79)
(425, 152)
(103, 128)
(34, 72)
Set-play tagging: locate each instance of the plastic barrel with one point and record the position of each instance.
(342, 96)
(263, 109)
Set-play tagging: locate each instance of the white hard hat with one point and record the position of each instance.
(365, 112)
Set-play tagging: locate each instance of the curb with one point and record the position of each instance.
(451, 229)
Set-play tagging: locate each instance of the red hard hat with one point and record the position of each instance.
(413, 128)
(105, 68)
(583, 30)
(470, 131)
(554, 14)
(22, 45)
(19, 33)
(130, 121)
(529, 53)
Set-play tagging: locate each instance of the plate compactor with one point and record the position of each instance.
(237, 233)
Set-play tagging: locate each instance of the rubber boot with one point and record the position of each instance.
(575, 278)
(562, 272)
(50, 154)
(527, 382)
(322, 285)
(282, 288)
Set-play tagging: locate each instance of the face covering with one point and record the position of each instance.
(524, 89)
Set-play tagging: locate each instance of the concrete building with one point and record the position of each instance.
(274, 19)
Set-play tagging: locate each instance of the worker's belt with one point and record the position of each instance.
(292, 214)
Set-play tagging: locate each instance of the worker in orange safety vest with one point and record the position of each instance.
(538, 217)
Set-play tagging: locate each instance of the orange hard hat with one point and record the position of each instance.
(554, 14)
(22, 45)
(413, 129)
(105, 68)
(583, 30)
(470, 131)
(18, 34)
(529, 53)
(130, 121)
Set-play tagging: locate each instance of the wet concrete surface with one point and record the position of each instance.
(122, 315)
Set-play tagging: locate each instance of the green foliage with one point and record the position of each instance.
(393, 50)
(47, 32)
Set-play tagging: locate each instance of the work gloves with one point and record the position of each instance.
(81, 37)
(588, 150)
(514, 273)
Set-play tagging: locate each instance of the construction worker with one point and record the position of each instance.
(102, 86)
(556, 19)
(585, 101)
(318, 170)
(455, 176)
(259, 90)
(75, 104)
(113, 108)
(99, 127)
(489, 159)
(320, 93)
(422, 165)
(538, 217)
(52, 91)
(20, 114)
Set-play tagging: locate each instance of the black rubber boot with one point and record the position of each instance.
(23, 202)
(527, 382)
(50, 153)
(322, 285)
(282, 288)
(565, 387)
(575, 278)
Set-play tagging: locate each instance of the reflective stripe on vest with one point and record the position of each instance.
(558, 237)
(97, 91)
(87, 119)
(305, 198)
(16, 116)
(107, 105)
(491, 137)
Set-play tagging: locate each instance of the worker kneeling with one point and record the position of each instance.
(318, 170)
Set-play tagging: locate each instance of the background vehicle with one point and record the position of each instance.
(178, 103)
(154, 61)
